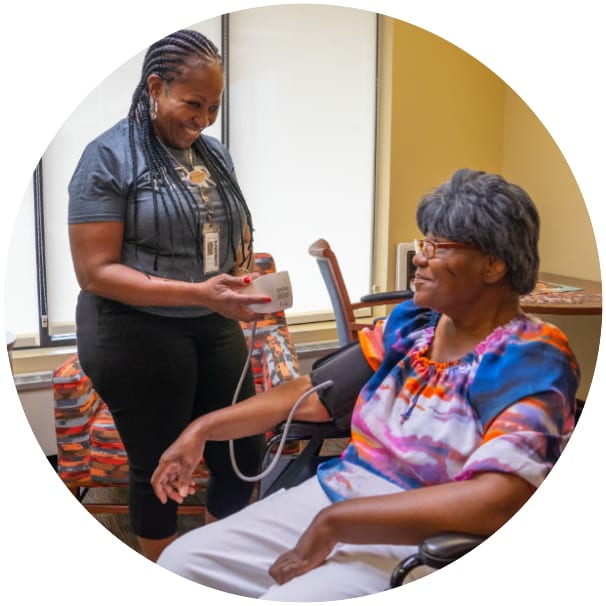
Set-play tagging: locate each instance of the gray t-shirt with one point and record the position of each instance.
(101, 190)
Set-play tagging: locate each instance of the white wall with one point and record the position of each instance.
(38, 407)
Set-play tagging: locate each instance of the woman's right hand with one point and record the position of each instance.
(172, 478)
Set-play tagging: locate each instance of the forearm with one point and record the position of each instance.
(96, 250)
(479, 506)
(172, 477)
(97, 256)
(132, 287)
(262, 412)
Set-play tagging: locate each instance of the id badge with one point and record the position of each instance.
(210, 241)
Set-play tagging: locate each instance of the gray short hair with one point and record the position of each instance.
(485, 210)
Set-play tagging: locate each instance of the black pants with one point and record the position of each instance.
(157, 374)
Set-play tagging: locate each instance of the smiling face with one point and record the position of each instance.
(455, 278)
(188, 104)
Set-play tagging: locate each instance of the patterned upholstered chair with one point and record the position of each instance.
(90, 451)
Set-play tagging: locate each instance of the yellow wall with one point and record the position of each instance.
(532, 159)
(567, 244)
(446, 111)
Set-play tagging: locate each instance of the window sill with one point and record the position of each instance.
(310, 339)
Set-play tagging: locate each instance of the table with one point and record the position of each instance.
(585, 302)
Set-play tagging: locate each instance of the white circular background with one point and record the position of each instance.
(54, 53)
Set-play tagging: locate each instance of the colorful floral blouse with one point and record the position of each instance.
(508, 406)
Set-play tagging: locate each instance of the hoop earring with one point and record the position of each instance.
(153, 108)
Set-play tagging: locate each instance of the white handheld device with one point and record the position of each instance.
(277, 286)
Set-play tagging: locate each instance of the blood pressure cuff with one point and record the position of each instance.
(349, 371)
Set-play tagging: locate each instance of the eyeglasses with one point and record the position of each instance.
(428, 248)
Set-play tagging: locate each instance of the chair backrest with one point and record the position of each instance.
(337, 291)
(274, 359)
(344, 309)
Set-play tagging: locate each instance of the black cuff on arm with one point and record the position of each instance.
(349, 371)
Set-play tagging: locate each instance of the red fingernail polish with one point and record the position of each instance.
(246, 280)
(267, 299)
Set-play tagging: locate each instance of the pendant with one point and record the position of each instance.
(197, 176)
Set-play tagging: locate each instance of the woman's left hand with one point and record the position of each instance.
(311, 550)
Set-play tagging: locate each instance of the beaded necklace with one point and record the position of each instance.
(196, 176)
(199, 177)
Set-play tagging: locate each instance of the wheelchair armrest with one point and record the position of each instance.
(302, 466)
(437, 551)
(445, 548)
(388, 296)
(304, 430)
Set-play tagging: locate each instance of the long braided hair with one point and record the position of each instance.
(166, 58)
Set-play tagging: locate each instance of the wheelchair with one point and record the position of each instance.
(436, 552)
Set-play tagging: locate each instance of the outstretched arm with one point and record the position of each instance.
(172, 477)
(477, 506)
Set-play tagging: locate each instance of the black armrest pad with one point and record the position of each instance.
(304, 430)
(442, 549)
(385, 296)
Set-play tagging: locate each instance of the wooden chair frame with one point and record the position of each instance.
(344, 309)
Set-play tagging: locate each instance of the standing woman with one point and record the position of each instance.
(161, 240)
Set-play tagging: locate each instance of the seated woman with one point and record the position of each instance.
(465, 404)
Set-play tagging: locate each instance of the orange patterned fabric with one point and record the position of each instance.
(77, 406)
(109, 463)
(89, 449)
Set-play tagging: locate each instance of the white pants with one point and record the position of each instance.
(234, 554)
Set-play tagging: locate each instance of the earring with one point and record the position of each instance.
(153, 108)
